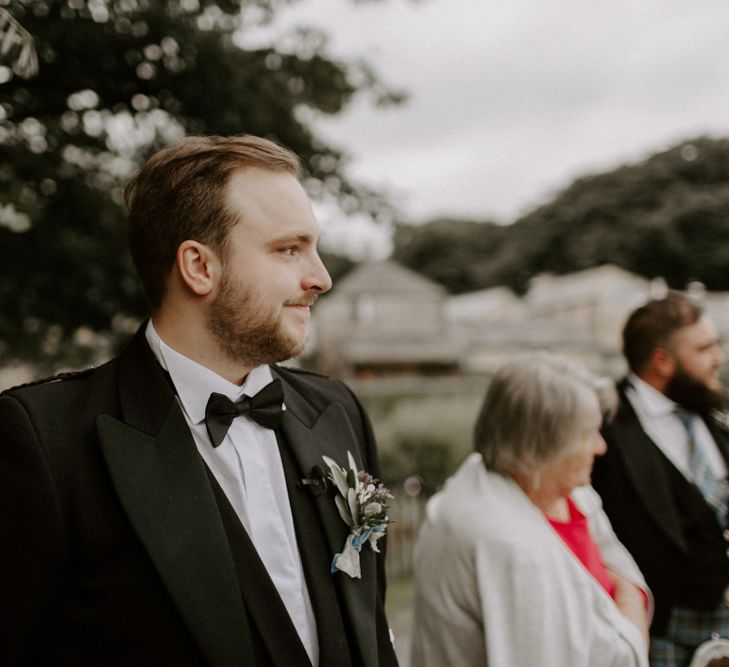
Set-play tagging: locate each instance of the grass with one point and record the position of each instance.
(399, 608)
(400, 595)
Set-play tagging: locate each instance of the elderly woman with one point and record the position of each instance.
(516, 564)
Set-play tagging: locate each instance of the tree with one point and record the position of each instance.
(117, 80)
(449, 251)
(16, 46)
(666, 216)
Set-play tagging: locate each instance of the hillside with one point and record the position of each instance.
(665, 216)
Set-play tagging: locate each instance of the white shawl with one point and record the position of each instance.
(496, 585)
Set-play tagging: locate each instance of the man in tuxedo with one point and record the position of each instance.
(170, 507)
(663, 480)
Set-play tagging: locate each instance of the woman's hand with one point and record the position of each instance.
(631, 603)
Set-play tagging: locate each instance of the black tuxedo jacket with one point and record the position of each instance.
(118, 547)
(661, 518)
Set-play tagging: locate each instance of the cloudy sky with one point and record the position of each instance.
(511, 100)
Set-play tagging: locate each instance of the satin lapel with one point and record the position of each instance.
(163, 487)
(645, 468)
(333, 642)
(310, 436)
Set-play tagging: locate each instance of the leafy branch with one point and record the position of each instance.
(17, 45)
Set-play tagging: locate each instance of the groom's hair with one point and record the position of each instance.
(180, 194)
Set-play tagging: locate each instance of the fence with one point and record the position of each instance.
(407, 513)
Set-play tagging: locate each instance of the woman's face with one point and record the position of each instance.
(574, 468)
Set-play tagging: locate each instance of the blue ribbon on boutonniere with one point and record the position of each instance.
(362, 503)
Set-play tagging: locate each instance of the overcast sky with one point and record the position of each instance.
(511, 100)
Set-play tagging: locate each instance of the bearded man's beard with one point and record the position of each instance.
(694, 394)
(244, 333)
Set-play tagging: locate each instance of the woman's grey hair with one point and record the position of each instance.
(536, 409)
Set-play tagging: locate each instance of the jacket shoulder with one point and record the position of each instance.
(311, 381)
(59, 377)
(292, 371)
(60, 384)
(320, 390)
(624, 415)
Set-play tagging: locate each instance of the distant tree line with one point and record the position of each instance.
(666, 216)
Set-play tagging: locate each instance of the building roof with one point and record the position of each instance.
(386, 277)
(403, 350)
(606, 282)
(483, 305)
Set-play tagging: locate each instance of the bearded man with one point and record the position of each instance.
(171, 507)
(664, 481)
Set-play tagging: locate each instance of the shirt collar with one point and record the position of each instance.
(194, 382)
(651, 401)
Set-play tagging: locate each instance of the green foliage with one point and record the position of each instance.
(117, 80)
(660, 217)
(427, 458)
(424, 436)
(449, 251)
(16, 46)
(666, 216)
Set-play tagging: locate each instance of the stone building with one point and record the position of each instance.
(383, 320)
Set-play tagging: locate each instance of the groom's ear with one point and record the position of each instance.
(198, 266)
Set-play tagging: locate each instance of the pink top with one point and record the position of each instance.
(577, 537)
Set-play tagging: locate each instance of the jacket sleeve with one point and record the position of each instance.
(31, 534)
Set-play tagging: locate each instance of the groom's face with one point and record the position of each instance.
(272, 270)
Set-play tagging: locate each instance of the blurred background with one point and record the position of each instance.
(490, 178)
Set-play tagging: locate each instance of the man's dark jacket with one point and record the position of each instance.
(662, 519)
(118, 546)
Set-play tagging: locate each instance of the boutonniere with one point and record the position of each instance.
(362, 503)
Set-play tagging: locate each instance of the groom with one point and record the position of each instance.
(170, 507)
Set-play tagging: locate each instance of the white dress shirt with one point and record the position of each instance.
(659, 419)
(248, 467)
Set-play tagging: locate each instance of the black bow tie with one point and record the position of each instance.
(265, 408)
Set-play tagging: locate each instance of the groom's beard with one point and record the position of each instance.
(693, 394)
(247, 329)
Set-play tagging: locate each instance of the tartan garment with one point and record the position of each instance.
(687, 629)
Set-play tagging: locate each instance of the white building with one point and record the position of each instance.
(384, 320)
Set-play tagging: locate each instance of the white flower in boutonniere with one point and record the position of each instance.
(362, 504)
